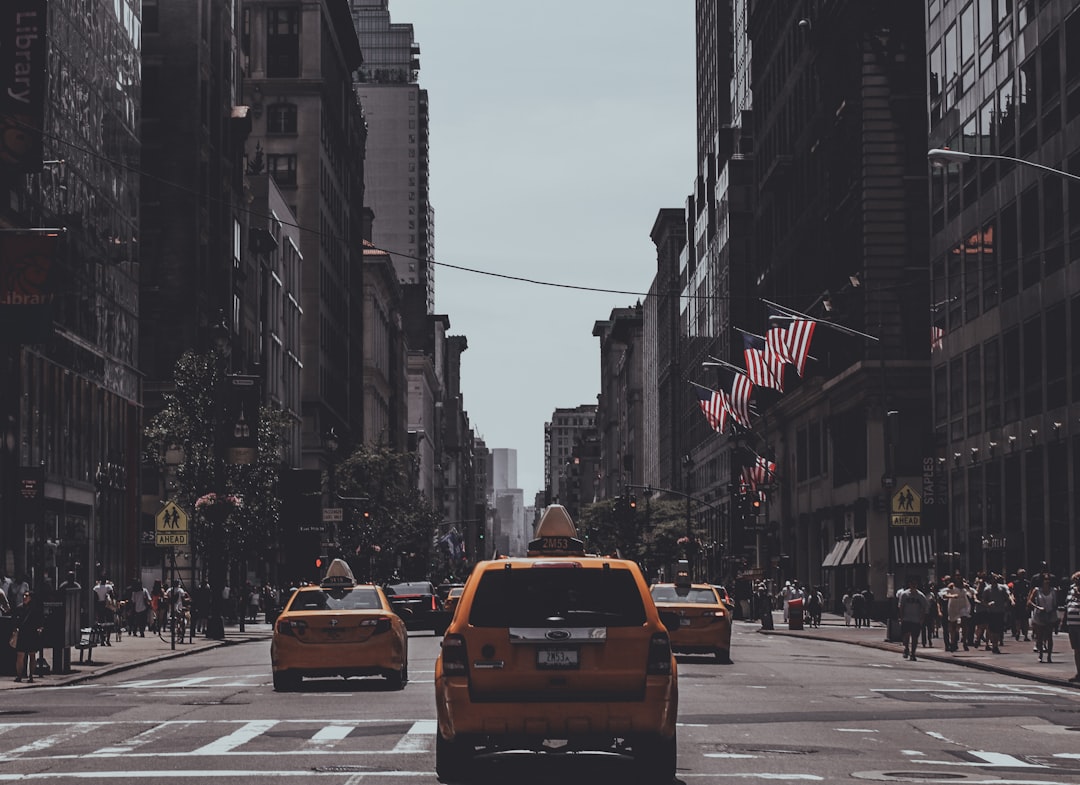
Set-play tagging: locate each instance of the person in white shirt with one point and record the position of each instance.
(912, 608)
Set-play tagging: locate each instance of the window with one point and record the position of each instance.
(1010, 373)
(974, 391)
(956, 397)
(992, 382)
(580, 597)
(283, 168)
(990, 282)
(1033, 366)
(1030, 247)
(1053, 215)
(282, 42)
(281, 119)
(1056, 359)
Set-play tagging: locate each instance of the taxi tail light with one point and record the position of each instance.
(381, 624)
(455, 657)
(294, 627)
(434, 605)
(659, 663)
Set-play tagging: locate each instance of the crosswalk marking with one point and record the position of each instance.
(419, 737)
(239, 736)
(65, 734)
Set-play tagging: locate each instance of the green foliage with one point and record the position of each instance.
(650, 535)
(188, 419)
(403, 523)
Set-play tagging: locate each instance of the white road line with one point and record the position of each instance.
(153, 733)
(211, 774)
(70, 732)
(238, 737)
(332, 733)
(419, 737)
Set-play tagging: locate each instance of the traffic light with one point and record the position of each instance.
(755, 504)
(633, 502)
(320, 561)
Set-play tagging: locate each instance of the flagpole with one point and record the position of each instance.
(722, 364)
(834, 325)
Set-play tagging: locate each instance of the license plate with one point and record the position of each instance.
(557, 658)
(684, 622)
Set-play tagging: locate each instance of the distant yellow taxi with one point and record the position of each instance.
(339, 628)
(556, 652)
(452, 598)
(704, 619)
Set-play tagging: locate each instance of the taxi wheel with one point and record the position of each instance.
(285, 681)
(398, 679)
(656, 758)
(453, 759)
(724, 656)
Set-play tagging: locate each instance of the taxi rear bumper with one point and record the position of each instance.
(650, 714)
(336, 659)
(701, 638)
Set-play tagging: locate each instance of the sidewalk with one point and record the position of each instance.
(1016, 658)
(132, 651)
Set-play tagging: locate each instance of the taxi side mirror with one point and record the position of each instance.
(670, 619)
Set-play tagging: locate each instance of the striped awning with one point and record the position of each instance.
(832, 559)
(856, 554)
(913, 549)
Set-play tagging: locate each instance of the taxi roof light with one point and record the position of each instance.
(338, 574)
(556, 534)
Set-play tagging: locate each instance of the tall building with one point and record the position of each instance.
(307, 132)
(397, 171)
(567, 428)
(1005, 81)
(620, 411)
(70, 387)
(840, 233)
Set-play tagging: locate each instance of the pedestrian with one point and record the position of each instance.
(846, 601)
(102, 592)
(912, 607)
(157, 607)
(858, 605)
(929, 630)
(1042, 603)
(29, 624)
(139, 607)
(868, 606)
(813, 607)
(1072, 621)
(200, 606)
(995, 599)
(15, 593)
(253, 602)
(958, 599)
(1021, 587)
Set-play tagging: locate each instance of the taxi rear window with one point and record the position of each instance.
(676, 594)
(336, 600)
(569, 598)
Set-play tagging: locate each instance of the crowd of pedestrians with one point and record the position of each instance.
(985, 611)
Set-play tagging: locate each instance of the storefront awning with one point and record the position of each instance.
(856, 554)
(836, 554)
(913, 549)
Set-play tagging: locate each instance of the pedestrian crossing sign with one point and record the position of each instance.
(171, 526)
(906, 507)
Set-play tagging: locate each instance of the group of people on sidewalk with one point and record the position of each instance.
(971, 615)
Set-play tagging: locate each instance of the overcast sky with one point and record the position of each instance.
(558, 131)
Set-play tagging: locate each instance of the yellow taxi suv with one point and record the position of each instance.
(557, 652)
(703, 623)
(451, 601)
(339, 628)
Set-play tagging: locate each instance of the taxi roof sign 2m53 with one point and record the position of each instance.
(556, 535)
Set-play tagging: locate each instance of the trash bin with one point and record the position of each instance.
(795, 614)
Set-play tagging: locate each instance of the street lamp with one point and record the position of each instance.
(943, 155)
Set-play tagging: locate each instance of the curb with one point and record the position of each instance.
(924, 654)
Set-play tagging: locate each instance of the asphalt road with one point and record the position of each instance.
(787, 710)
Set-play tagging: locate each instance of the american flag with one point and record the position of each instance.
(741, 387)
(764, 366)
(937, 339)
(715, 406)
(762, 471)
(789, 338)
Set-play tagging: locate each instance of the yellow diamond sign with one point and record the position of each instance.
(906, 507)
(171, 526)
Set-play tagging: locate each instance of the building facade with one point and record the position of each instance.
(1004, 80)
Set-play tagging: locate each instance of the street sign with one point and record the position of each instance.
(171, 519)
(906, 507)
(332, 514)
(169, 540)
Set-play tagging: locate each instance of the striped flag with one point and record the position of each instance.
(763, 471)
(764, 366)
(741, 388)
(714, 405)
(789, 338)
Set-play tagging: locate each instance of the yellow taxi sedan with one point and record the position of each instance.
(339, 628)
(704, 619)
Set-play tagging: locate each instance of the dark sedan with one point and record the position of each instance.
(418, 604)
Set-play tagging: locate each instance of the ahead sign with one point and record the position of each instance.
(171, 526)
